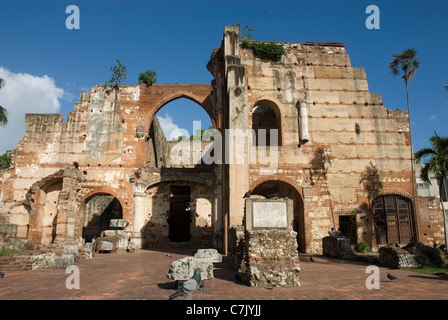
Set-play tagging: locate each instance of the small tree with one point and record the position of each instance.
(245, 34)
(148, 77)
(5, 160)
(118, 75)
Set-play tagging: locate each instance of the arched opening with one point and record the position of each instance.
(179, 120)
(266, 122)
(99, 210)
(179, 213)
(43, 229)
(393, 219)
(272, 189)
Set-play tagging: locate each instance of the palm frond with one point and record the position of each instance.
(3, 117)
(405, 62)
(425, 152)
(424, 174)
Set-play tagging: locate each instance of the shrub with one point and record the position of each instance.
(272, 51)
(148, 77)
(362, 247)
(391, 244)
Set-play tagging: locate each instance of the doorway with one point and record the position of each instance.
(179, 219)
(393, 219)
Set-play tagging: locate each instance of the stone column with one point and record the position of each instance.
(303, 123)
(138, 221)
(237, 147)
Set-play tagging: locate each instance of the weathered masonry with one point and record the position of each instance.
(342, 157)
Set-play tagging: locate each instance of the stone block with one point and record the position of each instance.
(8, 230)
(131, 247)
(337, 247)
(119, 223)
(63, 262)
(106, 246)
(183, 269)
(212, 254)
(43, 261)
(73, 250)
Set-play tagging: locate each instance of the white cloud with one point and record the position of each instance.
(435, 116)
(170, 129)
(25, 93)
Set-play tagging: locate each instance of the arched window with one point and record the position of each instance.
(266, 122)
(393, 219)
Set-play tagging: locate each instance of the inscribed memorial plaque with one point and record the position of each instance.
(269, 215)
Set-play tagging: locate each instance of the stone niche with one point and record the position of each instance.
(271, 257)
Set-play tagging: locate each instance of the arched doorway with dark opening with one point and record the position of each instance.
(281, 189)
(393, 219)
(180, 213)
(99, 210)
(266, 123)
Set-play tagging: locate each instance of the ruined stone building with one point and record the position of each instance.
(342, 157)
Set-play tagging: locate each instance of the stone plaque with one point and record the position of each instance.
(269, 215)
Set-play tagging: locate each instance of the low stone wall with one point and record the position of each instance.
(413, 256)
(397, 258)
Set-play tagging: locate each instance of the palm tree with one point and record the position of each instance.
(3, 111)
(437, 163)
(407, 63)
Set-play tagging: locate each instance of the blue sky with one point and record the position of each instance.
(176, 37)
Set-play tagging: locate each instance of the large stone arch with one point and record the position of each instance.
(155, 97)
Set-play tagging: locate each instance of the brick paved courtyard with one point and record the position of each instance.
(142, 276)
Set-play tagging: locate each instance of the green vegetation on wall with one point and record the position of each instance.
(272, 51)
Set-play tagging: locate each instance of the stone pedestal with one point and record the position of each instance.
(272, 258)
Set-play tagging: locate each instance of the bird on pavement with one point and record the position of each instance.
(247, 194)
(2, 274)
(190, 286)
(311, 259)
(391, 277)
